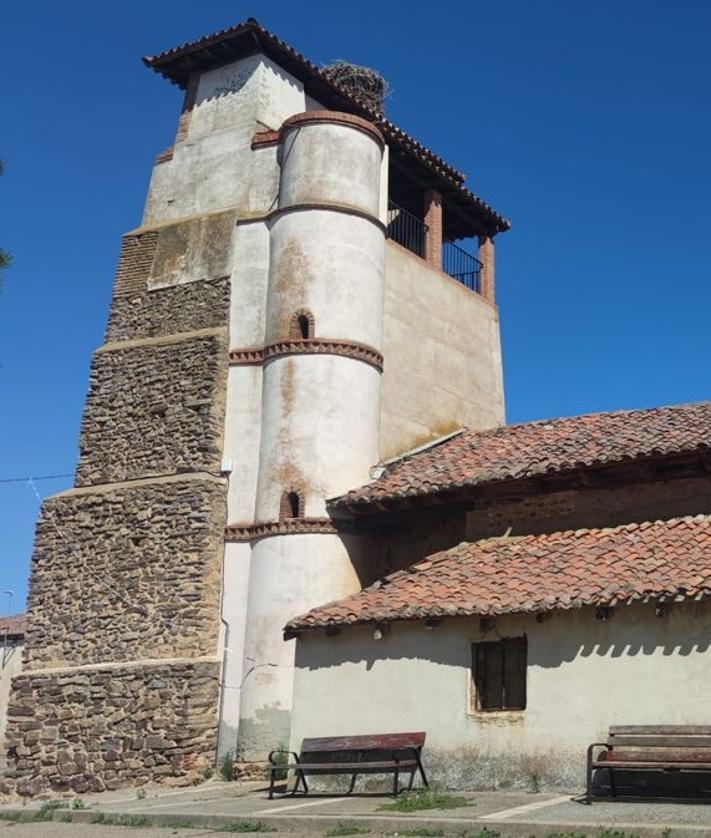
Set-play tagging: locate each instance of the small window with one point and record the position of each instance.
(290, 506)
(499, 674)
(302, 325)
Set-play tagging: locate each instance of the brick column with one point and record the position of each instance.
(487, 280)
(433, 220)
(186, 112)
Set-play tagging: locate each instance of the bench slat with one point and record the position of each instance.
(660, 730)
(381, 741)
(661, 741)
(698, 766)
(349, 767)
(662, 755)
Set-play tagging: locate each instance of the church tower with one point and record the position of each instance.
(310, 292)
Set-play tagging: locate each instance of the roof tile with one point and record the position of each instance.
(537, 573)
(515, 452)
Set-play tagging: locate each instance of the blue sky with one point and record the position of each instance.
(587, 124)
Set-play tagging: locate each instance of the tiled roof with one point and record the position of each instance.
(13, 626)
(228, 45)
(536, 573)
(515, 452)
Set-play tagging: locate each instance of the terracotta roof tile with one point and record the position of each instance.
(536, 573)
(13, 626)
(515, 452)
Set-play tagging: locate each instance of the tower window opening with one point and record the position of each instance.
(302, 325)
(291, 506)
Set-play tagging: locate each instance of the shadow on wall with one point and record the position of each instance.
(232, 82)
(562, 637)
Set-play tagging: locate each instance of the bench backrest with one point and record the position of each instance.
(349, 748)
(661, 743)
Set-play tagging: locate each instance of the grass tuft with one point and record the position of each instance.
(416, 801)
(421, 832)
(121, 820)
(346, 828)
(246, 826)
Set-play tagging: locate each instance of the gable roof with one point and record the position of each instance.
(537, 573)
(249, 37)
(13, 626)
(516, 452)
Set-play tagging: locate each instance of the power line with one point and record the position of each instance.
(41, 477)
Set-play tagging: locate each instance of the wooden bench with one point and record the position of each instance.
(649, 748)
(385, 753)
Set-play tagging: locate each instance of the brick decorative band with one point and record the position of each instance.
(254, 355)
(333, 118)
(262, 139)
(164, 156)
(289, 526)
(346, 210)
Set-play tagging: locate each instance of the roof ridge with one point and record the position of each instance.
(554, 420)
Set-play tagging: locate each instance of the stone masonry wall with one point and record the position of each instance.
(154, 408)
(166, 311)
(127, 573)
(103, 728)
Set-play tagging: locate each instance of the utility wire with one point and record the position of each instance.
(27, 479)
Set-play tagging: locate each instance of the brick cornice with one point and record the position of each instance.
(324, 207)
(254, 355)
(348, 120)
(288, 526)
(262, 139)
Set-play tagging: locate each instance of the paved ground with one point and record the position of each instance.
(221, 806)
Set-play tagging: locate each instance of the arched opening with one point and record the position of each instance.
(291, 506)
(302, 325)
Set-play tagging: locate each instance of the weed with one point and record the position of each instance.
(483, 833)
(46, 810)
(281, 758)
(246, 826)
(421, 832)
(66, 818)
(140, 794)
(208, 772)
(121, 820)
(11, 816)
(427, 799)
(78, 803)
(179, 823)
(346, 829)
(227, 766)
(614, 833)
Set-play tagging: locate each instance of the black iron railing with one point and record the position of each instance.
(461, 265)
(406, 229)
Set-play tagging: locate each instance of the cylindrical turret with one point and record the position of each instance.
(321, 394)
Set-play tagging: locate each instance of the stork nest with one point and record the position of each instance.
(363, 83)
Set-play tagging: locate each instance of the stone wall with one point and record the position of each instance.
(101, 728)
(127, 573)
(166, 311)
(154, 408)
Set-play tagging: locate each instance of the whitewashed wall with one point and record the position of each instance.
(583, 675)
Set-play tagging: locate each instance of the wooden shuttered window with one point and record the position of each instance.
(499, 674)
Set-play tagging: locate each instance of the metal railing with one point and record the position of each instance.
(407, 229)
(461, 265)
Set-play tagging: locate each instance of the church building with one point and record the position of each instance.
(297, 509)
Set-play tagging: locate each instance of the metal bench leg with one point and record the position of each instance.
(412, 777)
(613, 784)
(422, 770)
(271, 784)
(352, 785)
(396, 783)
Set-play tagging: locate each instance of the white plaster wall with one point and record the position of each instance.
(583, 675)
(331, 263)
(235, 596)
(319, 431)
(289, 574)
(214, 167)
(442, 351)
(330, 163)
(10, 665)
